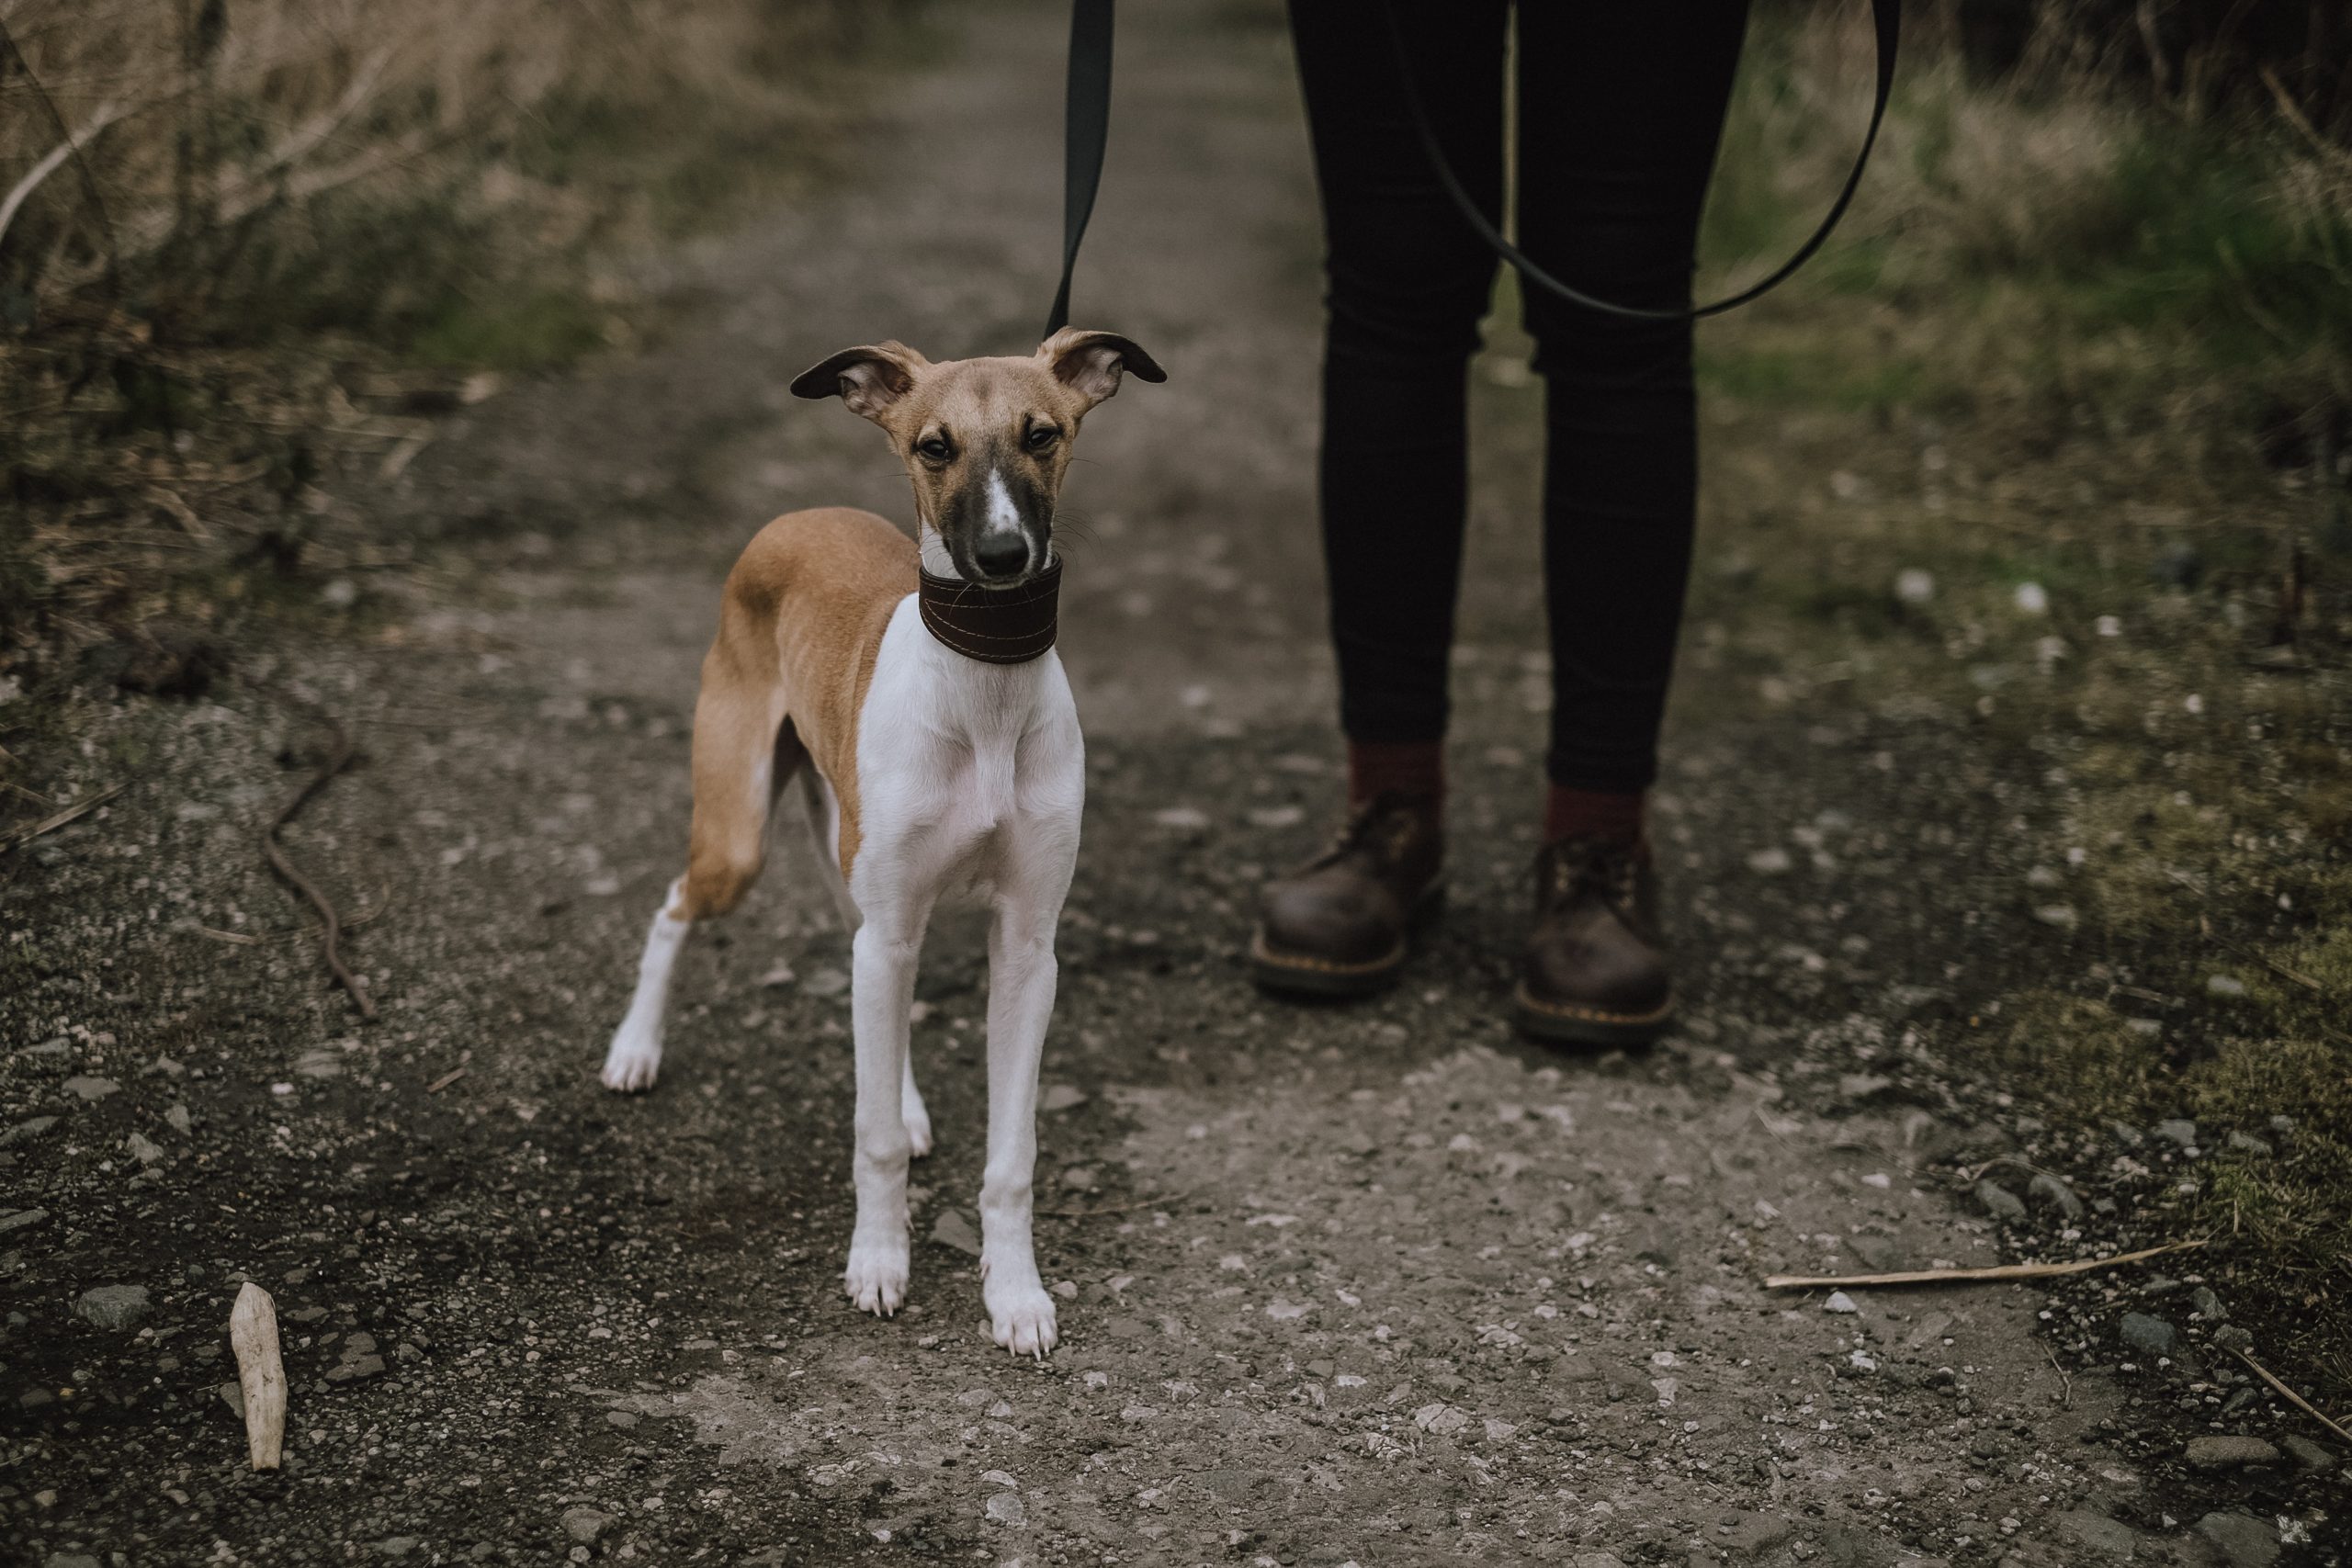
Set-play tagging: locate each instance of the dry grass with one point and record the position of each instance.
(244, 247)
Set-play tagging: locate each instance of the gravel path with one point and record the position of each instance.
(1374, 1285)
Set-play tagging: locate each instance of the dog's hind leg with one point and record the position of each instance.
(824, 830)
(743, 753)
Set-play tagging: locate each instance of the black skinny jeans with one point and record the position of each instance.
(1621, 105)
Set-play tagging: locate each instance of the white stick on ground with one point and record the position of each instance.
(252, 1335)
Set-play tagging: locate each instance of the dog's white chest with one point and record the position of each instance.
(972, 774)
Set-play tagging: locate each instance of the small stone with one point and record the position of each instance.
(397, 1546)
(2244, 1541)
(2247, 1144)
(1999, 1201)
(233, 1396)
(1185, 818)
(2055, 1193)
(2229, 1336)
(2230, 1454)
(585, 1525)
(356, 1367)
(1770, 862)
(90, 1088)
(2224, 985)
(2099, 1533)
(952, 1229)
(1839, 1301)
(22, 1218)
(143, 1149)
(2207, 1305)
(2149, 1335)
(1913, 586)
(26, 1130)
(828, 982)
(178, 1118)
(2180, 1131)
(621, 1419)
(114, 1307)
(2309, 1454)
(1007, 1508)
(1061, 1097)
(1858, 1087)
(2031, 598)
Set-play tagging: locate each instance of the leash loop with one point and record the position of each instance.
(1086, 128)
(1886, 22)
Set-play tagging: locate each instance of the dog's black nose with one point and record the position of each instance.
(1002, 555)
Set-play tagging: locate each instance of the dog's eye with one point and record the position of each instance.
(934, 448)
(1045, 435)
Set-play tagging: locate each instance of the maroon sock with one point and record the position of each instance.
(1576, 813)
(1412, 768)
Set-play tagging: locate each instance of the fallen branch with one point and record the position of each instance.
(1967, 1276)
(261, 1374)
(339, 757)
(74, 812)
(2293, 1398)
(107, 115)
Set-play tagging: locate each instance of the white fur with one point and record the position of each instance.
(971, 779)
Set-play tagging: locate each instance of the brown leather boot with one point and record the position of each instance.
(1595, 973)
(1339, 925)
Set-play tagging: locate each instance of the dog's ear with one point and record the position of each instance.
(868, 378)
(1091, 362)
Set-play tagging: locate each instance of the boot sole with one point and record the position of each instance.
(1298, 974)
(1572, 1023)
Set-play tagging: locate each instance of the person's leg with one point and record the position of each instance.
(1620, 108)
(1408, 283)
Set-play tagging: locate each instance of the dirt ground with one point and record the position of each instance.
(1373, 1285)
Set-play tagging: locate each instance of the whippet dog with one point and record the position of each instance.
(912, 686)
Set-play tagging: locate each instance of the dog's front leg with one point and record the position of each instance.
(883, 958)
(1022, 974)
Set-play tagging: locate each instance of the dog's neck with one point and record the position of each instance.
(995, 626)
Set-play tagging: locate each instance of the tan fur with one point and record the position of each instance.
(799, 624)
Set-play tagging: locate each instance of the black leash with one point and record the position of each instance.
(1886, 20)
(1087, 127)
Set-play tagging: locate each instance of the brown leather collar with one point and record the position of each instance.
(995, 626)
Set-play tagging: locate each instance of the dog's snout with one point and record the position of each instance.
(1001, 555)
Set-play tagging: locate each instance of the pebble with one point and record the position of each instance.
(2309, 1454)
(2230, 1454)
(22, 1218)
(2032, 598)
(1999, 1201)
(28, 1130)
(1007, 1508)
(585, 1525)
(2244, 1541)
(114, 1306)
(2150, 1335)
(1914, 586)
(2053, 1191)
(2247, 1144)
(1770, 862)
(952, 1229)
(825, 982)
(1061, 1097)
(178, 1117)
(83, 1087)
(143, 1149)
(2178, 1130)
(2224, 985)
(1839, 1301)
(2207, 1305)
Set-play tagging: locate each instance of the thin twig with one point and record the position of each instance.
(445, 1080)
(49, 824)
(1965, 1276)
(1154, 1202)
(2293, 1398)
(54, 160)
(339, 757)
(2066, 1383)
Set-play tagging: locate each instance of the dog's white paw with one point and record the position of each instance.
(632, 1063)
(1022, 1319)
(918, 1120)
(877, 1277)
